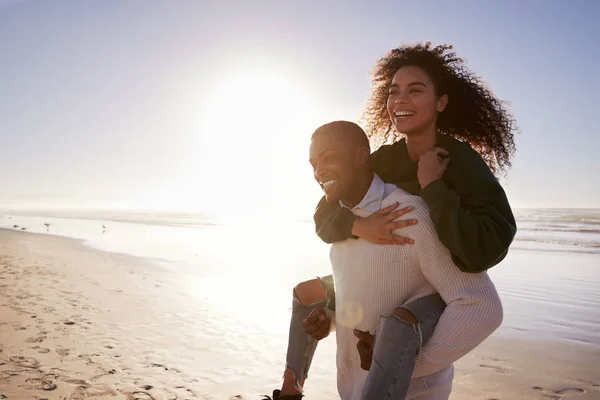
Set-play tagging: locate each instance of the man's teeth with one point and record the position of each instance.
(327, 184)
(403, 113)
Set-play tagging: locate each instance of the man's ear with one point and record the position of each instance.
(363, 155)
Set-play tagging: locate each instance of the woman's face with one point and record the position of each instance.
(413, 104)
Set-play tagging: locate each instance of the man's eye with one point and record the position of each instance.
(329, 158)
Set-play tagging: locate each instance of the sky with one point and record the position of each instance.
(208, 106)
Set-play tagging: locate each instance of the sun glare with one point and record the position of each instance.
(254, 133)
(255, 103)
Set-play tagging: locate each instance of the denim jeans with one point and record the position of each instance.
(397, 344)
(301, 346)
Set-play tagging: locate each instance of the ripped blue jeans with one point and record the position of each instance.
(397, 344)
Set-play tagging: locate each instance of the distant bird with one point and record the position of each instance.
(103, 229)
(47, 227)
(15, 226)
(23, 228)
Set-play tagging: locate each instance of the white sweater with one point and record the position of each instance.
(371, 280)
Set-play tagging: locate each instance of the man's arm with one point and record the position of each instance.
(473, 219)
(473, 308)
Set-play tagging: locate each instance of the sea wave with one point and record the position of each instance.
(591, 245)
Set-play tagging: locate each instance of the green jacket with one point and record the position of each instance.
(469, 208)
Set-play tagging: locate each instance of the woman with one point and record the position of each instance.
(449, 135)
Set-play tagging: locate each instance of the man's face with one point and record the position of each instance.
(335, 165)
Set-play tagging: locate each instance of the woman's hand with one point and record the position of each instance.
(377, 228)
(432, 166)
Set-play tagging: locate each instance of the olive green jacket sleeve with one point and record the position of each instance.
(333, 223)
(471, 212)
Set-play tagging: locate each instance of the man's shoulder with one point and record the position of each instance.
(420, 212)
(395, 194)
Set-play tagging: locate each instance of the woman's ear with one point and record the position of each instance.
(442, 103)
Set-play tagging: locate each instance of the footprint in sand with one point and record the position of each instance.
(46, 382)
(557, 394)
(497, 369)
(63, 352)
(25, 362)
(79, 382)
(139, 396)
(36, 339)
(79, 393)
(41, 350)
(570, 390)
(19, 328)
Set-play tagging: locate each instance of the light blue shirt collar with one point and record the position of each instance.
(372, 200)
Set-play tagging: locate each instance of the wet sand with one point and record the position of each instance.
(78, 323)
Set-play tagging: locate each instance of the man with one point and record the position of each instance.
(372, 280)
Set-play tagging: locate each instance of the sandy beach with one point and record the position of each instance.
(79, 323)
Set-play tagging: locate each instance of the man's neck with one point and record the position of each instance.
(361, 186)
(419, 144)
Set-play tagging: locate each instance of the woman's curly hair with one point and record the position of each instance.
(473, 113)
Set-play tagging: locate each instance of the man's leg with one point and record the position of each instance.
(307, 296)
(398, 340)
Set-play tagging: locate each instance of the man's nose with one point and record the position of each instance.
(318, 171)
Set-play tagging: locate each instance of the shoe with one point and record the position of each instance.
(278, 396)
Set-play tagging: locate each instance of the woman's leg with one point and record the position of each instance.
(307, 296)
(398, 340)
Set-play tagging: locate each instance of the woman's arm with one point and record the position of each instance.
(333, 223)
(470, 212)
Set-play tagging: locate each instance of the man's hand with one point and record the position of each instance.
(432, 166)
(317, 324)
(365, 346)
(377, 228)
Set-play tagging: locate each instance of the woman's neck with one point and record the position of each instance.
(419, 144)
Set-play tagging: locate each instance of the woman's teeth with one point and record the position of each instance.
(399, 114)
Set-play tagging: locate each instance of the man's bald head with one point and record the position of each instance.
(345, 131)
(339, 156)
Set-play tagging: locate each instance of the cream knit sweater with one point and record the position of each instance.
(371, 280)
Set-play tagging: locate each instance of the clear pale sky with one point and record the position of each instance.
(209, 105)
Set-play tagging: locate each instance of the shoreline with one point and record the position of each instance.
(76, 323)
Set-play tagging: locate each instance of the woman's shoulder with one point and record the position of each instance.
(398, 147)
(461, 152)
(457, 146)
